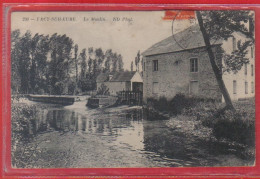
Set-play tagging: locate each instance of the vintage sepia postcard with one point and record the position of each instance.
(128, 89)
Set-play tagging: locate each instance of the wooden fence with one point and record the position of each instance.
(131, 97)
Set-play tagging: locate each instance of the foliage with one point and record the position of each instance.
(103, 90)
(238, 126)
(235, 126)
(83, 59)
(43, 64)
(177, 105)
(22, 152)
(76, 48)
(235, 61)
(137, 60)
(113, 61)
(15, 52)
(221, 25)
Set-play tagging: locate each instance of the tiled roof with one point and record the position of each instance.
(189, 38)
(116, 77)
(102, 77)
(123, 76)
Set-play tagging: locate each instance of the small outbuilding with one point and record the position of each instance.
(120, 81)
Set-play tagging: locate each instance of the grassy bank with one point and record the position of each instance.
(234, 126)
(22, 119)
(24, 147)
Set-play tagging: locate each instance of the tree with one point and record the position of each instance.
(83, 65)
(90, 60)
(15, 54)
(103, 90)
(108, 56)
(221, 25)
(76, 66)
(24, 61)
(95, 68)
(29, 62)
(114, 62)
(132, 66)
(61, 61)
(43, 64)
(120, 63)
(100, 57)
(137, 60)
(142, 63)
(38, 52)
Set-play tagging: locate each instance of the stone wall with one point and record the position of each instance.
(174, 76)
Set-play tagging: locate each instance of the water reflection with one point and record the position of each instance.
(152, 139)
(123, 126)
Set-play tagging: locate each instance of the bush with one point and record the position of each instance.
(179, 104)
(235, 126)
(162, 104)
(103, 90)
(23, 117)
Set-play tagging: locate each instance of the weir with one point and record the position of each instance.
(63, 100)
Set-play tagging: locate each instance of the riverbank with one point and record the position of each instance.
(76, 136)
(66, 148)
(208, 121)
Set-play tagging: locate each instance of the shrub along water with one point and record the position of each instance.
(24, 147)
(176, 105)
(22, 120)
(237, 126)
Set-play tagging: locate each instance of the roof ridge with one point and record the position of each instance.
(171, 36)
(189, 38)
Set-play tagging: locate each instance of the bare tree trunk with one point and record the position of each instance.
(217, 71)
(76, 86)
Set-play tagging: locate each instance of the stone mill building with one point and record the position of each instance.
(180, 64)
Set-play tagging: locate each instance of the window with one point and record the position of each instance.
(144, 66)
(245, 69)
(246, 87)
(234, 87)
(193, 65)
(155, 88)
(252, 52)
(177, 62)
(252, 70)
(234, 43)
(194, 87)
(155, 65)
(252, 87)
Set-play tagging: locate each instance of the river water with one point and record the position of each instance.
(149, 143)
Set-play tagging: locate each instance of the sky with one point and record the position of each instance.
(125, 32)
